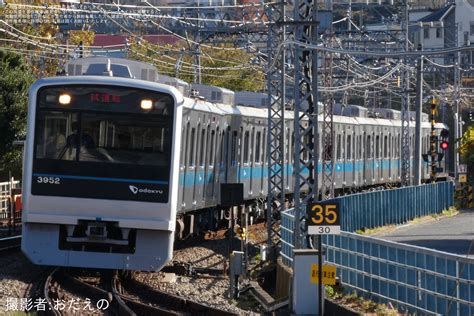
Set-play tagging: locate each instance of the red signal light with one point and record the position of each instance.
(444, 145)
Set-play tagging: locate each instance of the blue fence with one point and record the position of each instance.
(374, 209)
(379, 208)
(416, 279)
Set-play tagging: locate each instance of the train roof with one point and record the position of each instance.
(120, 67)
(104, 80)
(226, 109)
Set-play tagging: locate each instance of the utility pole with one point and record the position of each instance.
(457, 118)
(405, 128)
(197, 48)
(419, 108)
(433, 141)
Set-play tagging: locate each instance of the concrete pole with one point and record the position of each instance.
(457, 135)
(419, 108)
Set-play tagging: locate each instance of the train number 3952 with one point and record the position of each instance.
(48, 180)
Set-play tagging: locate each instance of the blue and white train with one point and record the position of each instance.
(116, 168)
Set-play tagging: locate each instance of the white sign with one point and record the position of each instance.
(324, 230)
(462, 169)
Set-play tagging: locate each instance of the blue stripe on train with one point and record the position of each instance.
(63, 176)
(257, 172)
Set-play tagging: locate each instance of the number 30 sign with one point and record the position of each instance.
(323, 218)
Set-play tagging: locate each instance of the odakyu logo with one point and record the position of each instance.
(136, 190)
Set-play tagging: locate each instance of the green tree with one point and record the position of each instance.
(15, 81)
(221, 66)
(466, 147)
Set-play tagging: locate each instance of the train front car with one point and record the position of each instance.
(100, 173)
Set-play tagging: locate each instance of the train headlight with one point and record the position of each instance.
(64, 99)
(146, 104)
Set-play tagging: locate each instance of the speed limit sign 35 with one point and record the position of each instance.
(323, 218)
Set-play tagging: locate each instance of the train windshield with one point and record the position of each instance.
(116, 136)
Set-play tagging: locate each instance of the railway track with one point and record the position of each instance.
(10, 243)
(118, 295)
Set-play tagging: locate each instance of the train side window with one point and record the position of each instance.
(305, 154)
(211, 148)
(185, 146)
(348, 150)
(240, 151)
(377, 146)
(257, 147)
(385, 146)
(264, 147)
(359, 147)
(338, 148)
(191, 147)
(203, 147)
(224, 147)
(252, 143)
(398, 146)
(356, 146)
(233, 148)
(292, 146)
(246, 146)
(394, 145)
(369, 148)
(389, 144)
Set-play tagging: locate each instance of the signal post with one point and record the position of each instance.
(434, 156)
(310, 274)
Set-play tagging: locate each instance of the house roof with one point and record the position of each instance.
(438, 15)
(112, 40)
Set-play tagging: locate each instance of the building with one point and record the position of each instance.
(449, 26)
(115, 45)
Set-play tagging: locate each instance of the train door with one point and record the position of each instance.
(383, 155)
(257, 165)
(358, 162)
(389, 156)
(399, 165)
(348, 160)
(252, 164)
(291, 169)
(287, 160)
(182, 165)
(226, 137)
(339, 170)
(233, 162)
(264, 162)
(215, 165)
(369, 150)
(209, 163)
(376, 165)
(204, 164)
(199, 170)
(190, 169)
(364, 158)
(244, 172)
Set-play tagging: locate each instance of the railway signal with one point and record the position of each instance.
(433, 139)
(444, 145)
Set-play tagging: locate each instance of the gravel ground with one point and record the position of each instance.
(16, 275)
(209, 290)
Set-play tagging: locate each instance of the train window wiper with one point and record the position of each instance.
(71, 143)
